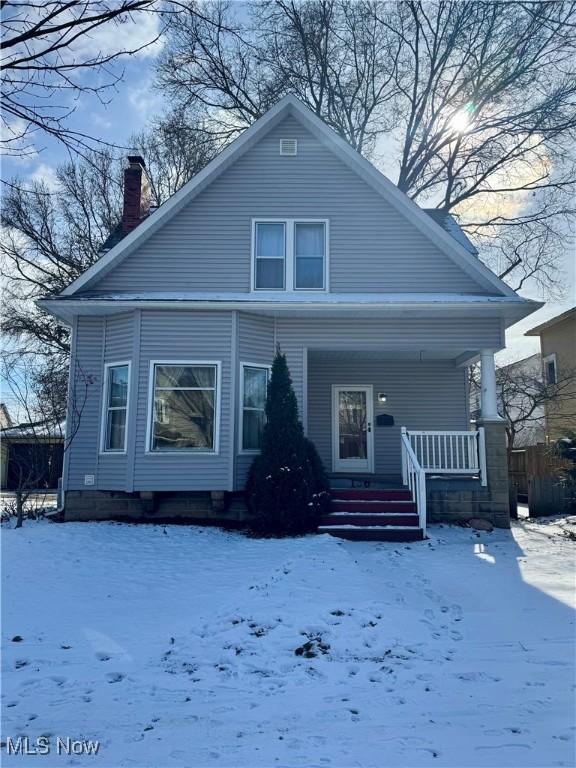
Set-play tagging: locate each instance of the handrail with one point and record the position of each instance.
(453, 452)
(414, 476)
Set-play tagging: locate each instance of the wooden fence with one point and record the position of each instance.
(536, 473)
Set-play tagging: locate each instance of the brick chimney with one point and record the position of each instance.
(136, 194)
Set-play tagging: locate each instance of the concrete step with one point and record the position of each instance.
(373, 532)
(378, 519)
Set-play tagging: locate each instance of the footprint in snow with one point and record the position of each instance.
(456, 612)
(114, 677)
(102, 657)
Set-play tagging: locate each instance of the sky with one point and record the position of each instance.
(135, 100)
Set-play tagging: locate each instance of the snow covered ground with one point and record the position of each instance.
(183, 646)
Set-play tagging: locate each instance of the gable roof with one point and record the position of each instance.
(289, 105)
(537, 330)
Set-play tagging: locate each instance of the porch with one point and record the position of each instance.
(395, 436)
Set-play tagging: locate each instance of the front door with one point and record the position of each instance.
(352, 436)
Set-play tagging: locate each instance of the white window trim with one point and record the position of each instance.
(549, 359)
(289, 255)
(104, 414)
(244, 364)
(215, 451)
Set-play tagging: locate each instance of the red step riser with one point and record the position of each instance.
(371, 507)
(374, 494)
(411, 520)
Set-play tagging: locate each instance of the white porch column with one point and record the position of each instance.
(489, 401)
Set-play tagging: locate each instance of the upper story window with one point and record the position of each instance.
(270, 252)
(290, 254)
(550, 372)
(116, 383)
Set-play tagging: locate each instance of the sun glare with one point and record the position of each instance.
(462, 119)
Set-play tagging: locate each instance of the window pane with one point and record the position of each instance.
(269, 273)
(185, 376)
(116, 430)
(309, 273)
(309, 239)
(118, 386)
(255, 383)
(270, 240)
(252, 430)
(189, 421)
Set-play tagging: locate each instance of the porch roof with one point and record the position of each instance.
(509, 308)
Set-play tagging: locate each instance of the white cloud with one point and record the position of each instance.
(144, 99)
(46, 175)
(128, 33)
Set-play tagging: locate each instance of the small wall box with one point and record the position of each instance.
(384, 420)
(88, 479)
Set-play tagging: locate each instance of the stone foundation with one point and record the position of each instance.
(453, 500)
(202, 507)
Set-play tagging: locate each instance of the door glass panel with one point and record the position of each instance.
(352, 415)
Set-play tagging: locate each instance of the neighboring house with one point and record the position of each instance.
(558, 350)
(32, 456)
(289, 237)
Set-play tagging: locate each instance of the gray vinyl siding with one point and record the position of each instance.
(118, 331)
(428, 395)
(83, 447)
(141, 337)
(255, 345)
(407, 334)
(207, 245)
(182, 336)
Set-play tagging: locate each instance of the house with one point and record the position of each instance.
(291, 238)
(558, 349)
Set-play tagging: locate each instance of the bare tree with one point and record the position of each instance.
(51, 236)
(50, 53)
(36, 445)
(332, 54)
(524, 398)
(476, 99)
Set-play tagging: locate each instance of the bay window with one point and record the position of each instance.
(183, 412)
(290, 254)
(254, 387)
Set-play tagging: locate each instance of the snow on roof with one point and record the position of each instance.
(34, 430)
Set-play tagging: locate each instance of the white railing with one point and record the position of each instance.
(414, 477)
(449, 452)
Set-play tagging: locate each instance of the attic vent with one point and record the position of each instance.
(288, 146)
